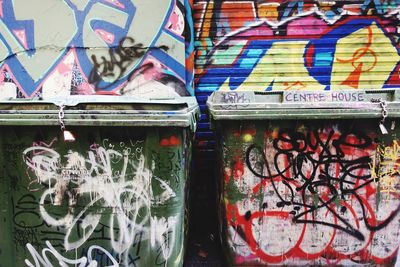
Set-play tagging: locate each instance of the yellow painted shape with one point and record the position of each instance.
(389, 168)
(268, 11)
(283, 64)
(247, 138)
(371, 48)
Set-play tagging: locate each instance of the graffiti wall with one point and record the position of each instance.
(267, 45)
(115, 197)
(297, 45)
(310, 194)
(58, 48)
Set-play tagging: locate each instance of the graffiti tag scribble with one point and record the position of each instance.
(117, 187)
(115, 66)
(309, 160)
(43, 258)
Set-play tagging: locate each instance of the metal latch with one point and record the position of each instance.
(68, 136)
(384, 113)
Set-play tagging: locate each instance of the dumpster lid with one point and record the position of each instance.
(102, 111)
(278, 105)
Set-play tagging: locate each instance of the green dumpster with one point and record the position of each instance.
(308, 178)
(114, 196)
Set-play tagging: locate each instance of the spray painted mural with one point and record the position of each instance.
(310, 194)
(297, 45)
(110, 199)
(58, 48)
(267, 45)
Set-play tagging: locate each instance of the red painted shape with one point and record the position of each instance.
(309, 56)
(174, 141)
(106, 93)
(252, 132)
(292, 85)
(236, 134)
(354, 77)
(239, 168)
(238, 13)
(395, 77)
(171, 141)
(164, 142)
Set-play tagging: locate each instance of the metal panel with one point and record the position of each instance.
(309, 193)
(303, 105)
(114, 197)
(103, 110)
(315, 46)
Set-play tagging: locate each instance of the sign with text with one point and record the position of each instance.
(324, 96)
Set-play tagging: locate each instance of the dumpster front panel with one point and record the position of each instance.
(115, 197)
(309, 193)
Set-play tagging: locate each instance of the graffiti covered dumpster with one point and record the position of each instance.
(116, 196)
(308, 178)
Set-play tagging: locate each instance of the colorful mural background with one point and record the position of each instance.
(301, 45)
(297, 45)
(51, 48)
(116, 196)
